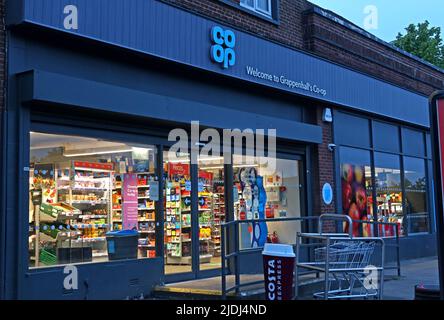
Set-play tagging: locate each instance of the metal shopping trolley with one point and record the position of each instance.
(353, 267)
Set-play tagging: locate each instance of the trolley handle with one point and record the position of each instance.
(333, 216)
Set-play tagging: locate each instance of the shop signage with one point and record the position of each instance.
(129, 202)
(222, 50)
(201, 43)
(282, 80)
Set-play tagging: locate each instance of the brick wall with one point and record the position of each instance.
(330, 39)
(323, 167)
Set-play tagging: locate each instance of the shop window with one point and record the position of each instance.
(266, 188)
(356, 183)
(345, 123)
(413, 143)
(81, 189)
(389, 197)
(259, 6)
(386, 137)
(415, 184)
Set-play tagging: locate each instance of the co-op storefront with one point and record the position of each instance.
(88, 116)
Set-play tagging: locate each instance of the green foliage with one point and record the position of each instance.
(423, 41)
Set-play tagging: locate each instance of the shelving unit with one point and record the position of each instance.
(74, 214)
(177, 224)
(218, 208)
(87, 187)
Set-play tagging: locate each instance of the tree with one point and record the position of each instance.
(423, 41)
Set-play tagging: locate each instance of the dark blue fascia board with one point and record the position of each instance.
(154, 28)
(57, 89)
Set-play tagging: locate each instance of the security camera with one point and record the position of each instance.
(331, 146)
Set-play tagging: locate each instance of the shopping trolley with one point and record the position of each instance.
(350, 265)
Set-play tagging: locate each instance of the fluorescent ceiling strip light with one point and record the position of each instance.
(92, 151)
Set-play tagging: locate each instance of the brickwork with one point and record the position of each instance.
(337, 43)
(289, 30)
(323, 167)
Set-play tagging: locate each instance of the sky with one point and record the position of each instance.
(393, 15)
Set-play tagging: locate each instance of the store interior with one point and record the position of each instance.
(82, 188)
(76, 187)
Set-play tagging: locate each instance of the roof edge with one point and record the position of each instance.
(353, 27)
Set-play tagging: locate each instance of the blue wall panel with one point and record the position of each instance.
(161, 30)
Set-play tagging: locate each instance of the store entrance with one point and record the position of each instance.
(194, 211)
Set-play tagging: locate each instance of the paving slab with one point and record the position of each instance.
(413, 272)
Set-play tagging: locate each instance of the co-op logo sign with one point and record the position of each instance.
(222, 50)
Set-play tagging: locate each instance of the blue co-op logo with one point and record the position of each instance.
(222, 50)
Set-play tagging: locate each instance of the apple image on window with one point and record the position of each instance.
(354, 214)
(359, 174)
(347, 194)
(347, 173)
(361, 199)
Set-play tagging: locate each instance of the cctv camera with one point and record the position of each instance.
(331, 146)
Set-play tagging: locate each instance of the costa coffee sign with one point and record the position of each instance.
(437, 133)
(274, 283)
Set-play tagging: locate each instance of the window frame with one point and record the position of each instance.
(36, 125)
(401, 153)
(257, 9)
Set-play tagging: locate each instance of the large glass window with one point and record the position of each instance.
(82, 188)
(389, 193)
(345, 124)
(386, 137)
(413, 142)
(415, 184)
(401, 197)
(266, 188)
(356, 183)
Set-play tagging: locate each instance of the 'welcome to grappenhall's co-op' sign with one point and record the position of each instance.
(255, 72)
(223, 52)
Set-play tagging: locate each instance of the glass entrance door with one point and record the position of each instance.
(178, 228)
(192, 232)
(211, 211)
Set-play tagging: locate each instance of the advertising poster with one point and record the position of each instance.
(129, 202)
(354, 197)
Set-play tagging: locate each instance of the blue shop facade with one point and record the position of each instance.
(85, 144)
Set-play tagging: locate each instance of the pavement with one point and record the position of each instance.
(413, 272)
